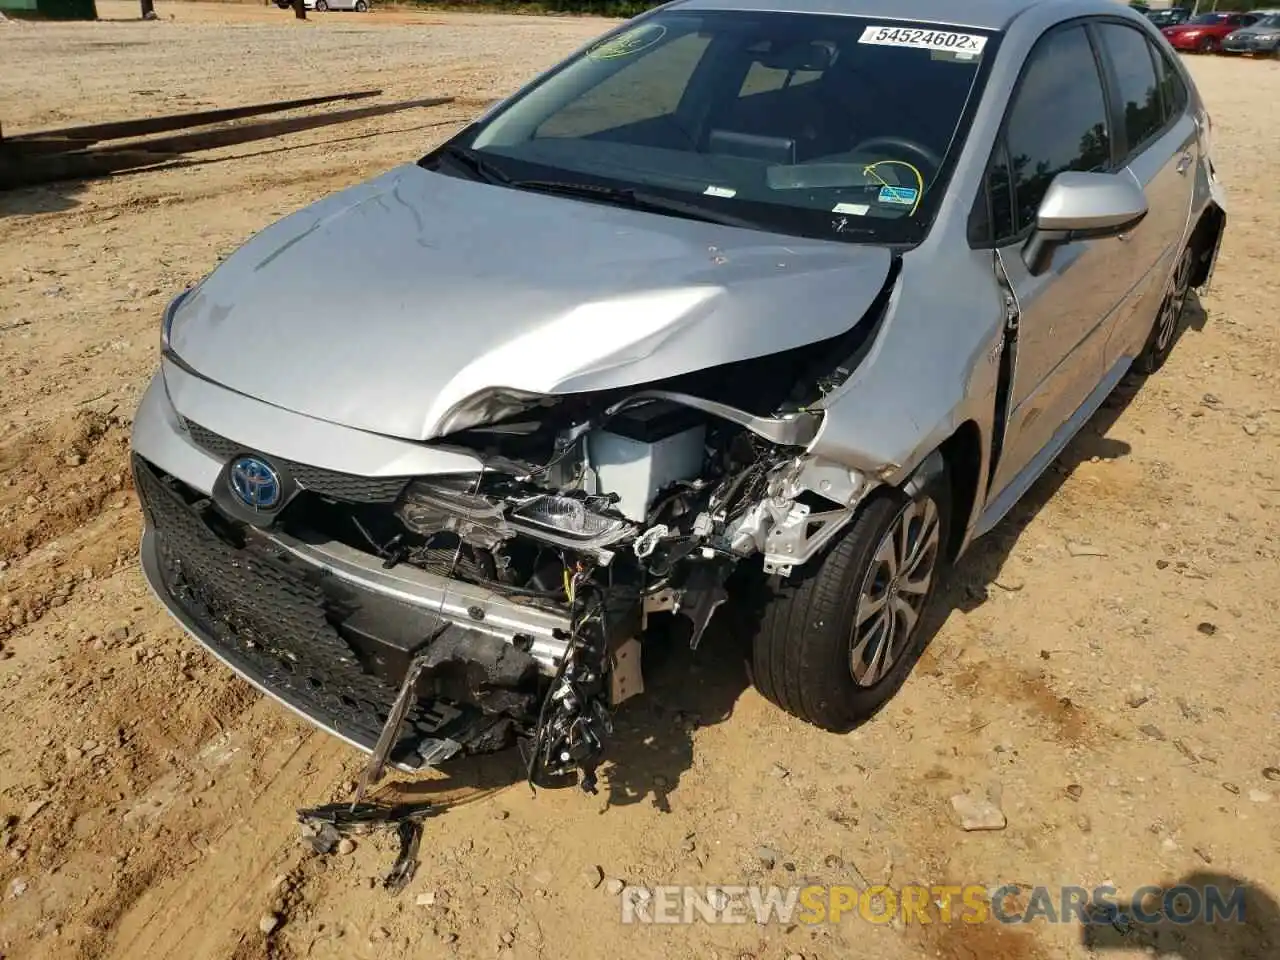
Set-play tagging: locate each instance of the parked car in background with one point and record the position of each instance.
(359, 6)
(1169, 17)
(1205, 32)
(1261, 37)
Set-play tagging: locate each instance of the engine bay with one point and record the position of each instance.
(605, 516)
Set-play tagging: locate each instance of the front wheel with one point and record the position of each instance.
(361, 6)
(321, 6)
(1207, 45)
(839, 639)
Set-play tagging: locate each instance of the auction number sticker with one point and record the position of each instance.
(968, 43)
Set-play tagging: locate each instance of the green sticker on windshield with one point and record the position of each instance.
(631, 42)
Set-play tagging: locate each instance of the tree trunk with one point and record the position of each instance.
(299, 9)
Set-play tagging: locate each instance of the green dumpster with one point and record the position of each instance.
(50, 9)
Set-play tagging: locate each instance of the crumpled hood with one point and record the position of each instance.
(384, 305)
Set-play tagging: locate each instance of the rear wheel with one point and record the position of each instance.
(1172, 306)
(361, 6)
(839, 639)
(321, 6)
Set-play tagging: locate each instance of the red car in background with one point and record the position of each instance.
(1203, 33)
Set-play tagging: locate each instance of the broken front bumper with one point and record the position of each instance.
(316, 630)
(327, 632)
(324, 628)
(319, 626)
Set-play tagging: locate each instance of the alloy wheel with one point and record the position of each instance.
(1175, 301)
(894, 591)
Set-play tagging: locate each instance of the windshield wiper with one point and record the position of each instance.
(474, 163)
(637, 200)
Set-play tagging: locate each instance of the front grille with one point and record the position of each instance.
(267, 614)
(329, 483)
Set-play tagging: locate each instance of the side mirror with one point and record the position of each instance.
(1083, 206)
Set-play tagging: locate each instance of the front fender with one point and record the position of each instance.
(933, 366)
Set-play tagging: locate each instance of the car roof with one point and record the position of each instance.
(981, 14)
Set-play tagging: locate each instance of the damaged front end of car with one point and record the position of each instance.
(428, 617)
(605, 509)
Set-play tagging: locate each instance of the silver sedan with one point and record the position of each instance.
(769, 302)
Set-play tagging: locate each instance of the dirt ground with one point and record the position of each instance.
(1105, 665)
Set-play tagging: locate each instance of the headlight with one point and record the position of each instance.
(433, 505)
(571, 518)
(488, 406)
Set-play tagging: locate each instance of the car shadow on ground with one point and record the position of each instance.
(1226, 918)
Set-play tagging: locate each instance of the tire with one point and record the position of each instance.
(361, 6)
(803, 655)
(322, 6)
(1208, 45)
(1173, 305)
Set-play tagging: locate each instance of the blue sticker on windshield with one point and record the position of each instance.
(904, 195)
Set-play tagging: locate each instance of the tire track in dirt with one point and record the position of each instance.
(57, 476)
(64, 494)
(191, 771)
(239, 857)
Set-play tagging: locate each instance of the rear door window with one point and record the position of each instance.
(1173, 92)
(1138, 87)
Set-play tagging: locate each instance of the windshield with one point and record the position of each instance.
(1271, 23)
(826, 126)
(1209, 19)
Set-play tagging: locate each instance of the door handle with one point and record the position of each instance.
(1184, 163)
